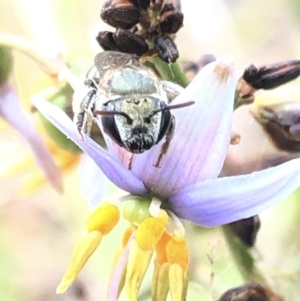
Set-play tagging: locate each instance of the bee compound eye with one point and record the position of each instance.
(166, 121)
(110, 128)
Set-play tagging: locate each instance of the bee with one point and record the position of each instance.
(131, 101)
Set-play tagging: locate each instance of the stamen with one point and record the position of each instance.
(154, 208)
(175, 226)
(149, 232)
(160, 281)
(84, 248)
(177, 253)
(177, 282)
(103, 219)
(160, 249)
(119, 267)
(138, 262)
(127, 235)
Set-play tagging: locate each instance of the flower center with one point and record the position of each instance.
(151, 230)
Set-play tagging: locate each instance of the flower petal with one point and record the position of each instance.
(114, 170)
(202, 134)
(93, 182)
(11, 111)
(113, 291)
(225, 200)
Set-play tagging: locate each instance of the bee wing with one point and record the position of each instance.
(113, 60)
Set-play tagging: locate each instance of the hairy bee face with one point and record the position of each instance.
(140, 123)
(131, 101)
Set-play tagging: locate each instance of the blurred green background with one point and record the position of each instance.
(38, 227)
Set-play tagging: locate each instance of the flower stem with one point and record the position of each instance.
(243, 258)
(49, 62)
(171, 72)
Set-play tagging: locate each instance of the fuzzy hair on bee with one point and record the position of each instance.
(132, 102)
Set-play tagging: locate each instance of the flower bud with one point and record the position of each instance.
(106, 41)
(166, 49)
(130, 42)
(246, 229)
(171, 21)
(272, 76)
(266, 77)
(278, 111)
(250, 291)
(120, 13)
(144, 4)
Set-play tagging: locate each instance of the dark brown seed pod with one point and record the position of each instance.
(120, 13)
(167, 7)
(130, 43)
(250, 292)
(281, 136)
(278, 112)
(166, 49)
(144, 4)
(244, 92)
(246, 229)
(272, 76)
(106, 41)
(171, 21)
(145, 19)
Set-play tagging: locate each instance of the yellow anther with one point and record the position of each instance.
(125, 240)
(177, 281)
(160, 248)
(83, 250)
(163, 217)
(149, 232)
(138, 262)
(104, 218)
(126, 235)
(177, 252)
(160, 282)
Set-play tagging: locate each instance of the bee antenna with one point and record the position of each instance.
(112, 113)
(177, 106)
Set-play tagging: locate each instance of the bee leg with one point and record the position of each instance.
(172, 90)
(164, 148)
(84, 122)
(84, 118)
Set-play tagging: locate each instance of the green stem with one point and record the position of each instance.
(237, 103)
(243, 258)
(171, 72)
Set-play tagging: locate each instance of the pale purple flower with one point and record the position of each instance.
(93, 183)
(12, 112)
(187, 181)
